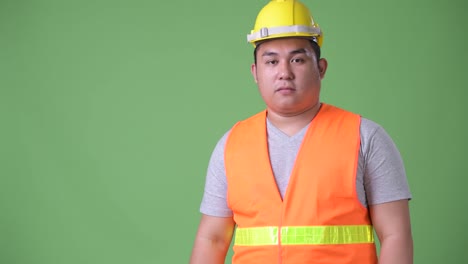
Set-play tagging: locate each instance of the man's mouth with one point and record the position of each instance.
(285, 89)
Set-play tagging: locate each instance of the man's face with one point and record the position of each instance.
(288, 75)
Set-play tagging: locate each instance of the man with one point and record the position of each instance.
(302, 181)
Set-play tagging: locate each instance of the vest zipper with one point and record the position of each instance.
(280, 246)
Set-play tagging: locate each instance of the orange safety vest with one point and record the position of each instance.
(320, 219)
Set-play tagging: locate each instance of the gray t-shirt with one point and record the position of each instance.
(380, 175)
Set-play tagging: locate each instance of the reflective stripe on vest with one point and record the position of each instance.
(304, 235)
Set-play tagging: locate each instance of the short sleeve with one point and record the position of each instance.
(384, 173)
(214, 202)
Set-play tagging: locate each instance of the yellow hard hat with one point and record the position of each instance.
(284, 18)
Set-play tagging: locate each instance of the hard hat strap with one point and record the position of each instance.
(265, 32)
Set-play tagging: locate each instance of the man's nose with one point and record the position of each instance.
(284, 71)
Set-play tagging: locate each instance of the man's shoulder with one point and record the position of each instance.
(252, 118)
(369, 126)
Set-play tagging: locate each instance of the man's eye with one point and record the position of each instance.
(272, 62)
(297, 60)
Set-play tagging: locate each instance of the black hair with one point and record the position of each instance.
(314, 45)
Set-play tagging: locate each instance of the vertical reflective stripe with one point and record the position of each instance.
(256, 236)
(305, 235)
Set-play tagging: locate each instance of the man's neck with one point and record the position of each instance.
(291, 124)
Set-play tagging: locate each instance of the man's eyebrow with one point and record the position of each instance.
(269, 53)
(297, 51)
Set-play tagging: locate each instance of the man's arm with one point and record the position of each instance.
(392, 224)
(212, 240)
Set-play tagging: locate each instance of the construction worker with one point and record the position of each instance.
(302, 181)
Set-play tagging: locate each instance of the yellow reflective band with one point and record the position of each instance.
(327, 235)
(256, 236)
(305, 235)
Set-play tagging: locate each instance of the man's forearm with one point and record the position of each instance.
(213, 239)
(396, 250)
(206, 251)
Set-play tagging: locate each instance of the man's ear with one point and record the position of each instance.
(253, 70)
(322, 65)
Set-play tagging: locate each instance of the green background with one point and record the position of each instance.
(110, 110)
